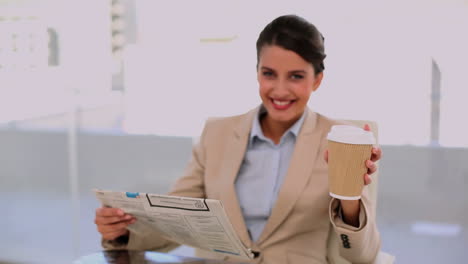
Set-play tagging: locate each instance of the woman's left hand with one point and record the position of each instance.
(351, 208)
(371, 163)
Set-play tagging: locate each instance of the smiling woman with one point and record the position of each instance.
(290, 66)
(286, 82)
(260, 164)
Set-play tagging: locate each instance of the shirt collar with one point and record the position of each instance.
(256, 130)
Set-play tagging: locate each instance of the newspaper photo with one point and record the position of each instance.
(200, 223)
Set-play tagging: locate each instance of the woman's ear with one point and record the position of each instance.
(317, 81)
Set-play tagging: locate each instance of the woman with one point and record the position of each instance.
(268, 168)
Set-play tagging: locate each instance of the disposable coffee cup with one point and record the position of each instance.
(348, 149)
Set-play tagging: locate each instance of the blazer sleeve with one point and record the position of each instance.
(191, 184)
(357, 244)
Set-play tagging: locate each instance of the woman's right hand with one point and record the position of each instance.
(112, 222)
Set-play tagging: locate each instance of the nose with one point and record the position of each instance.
(280, 87)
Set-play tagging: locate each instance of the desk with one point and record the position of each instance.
(140, 257)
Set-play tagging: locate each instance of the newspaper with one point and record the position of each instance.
(200, 223)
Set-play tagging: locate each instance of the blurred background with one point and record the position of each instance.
(111, 93)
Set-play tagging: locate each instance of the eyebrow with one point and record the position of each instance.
(293, 71)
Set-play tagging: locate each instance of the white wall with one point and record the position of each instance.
(378, 64)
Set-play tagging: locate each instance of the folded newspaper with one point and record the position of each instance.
(200, 223)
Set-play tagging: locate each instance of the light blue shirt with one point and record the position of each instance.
(262, 173)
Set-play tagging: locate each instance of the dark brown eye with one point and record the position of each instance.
(297, 76)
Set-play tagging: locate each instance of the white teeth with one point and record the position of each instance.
(276, 102)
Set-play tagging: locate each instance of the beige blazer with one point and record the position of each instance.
(298, 229)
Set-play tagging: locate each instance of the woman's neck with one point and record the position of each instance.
(274, 130)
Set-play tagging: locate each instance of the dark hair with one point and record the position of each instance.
(294, 33)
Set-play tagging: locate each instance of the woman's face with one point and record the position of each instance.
(286, 81)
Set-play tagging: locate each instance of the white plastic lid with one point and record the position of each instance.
(351, 135)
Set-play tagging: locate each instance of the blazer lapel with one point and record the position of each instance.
(236, 147)
(298, 173)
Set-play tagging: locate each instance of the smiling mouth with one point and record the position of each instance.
(282, 104)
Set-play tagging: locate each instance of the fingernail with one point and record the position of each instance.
(128, 216)
(120, 212)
